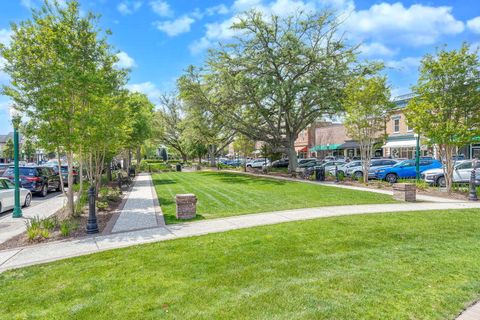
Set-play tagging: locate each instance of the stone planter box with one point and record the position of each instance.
(186, 206)
(405, 192)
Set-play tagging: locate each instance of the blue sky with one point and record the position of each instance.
(158, 39)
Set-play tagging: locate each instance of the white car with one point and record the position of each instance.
(461, 174)
(258, 163)
(7, 195)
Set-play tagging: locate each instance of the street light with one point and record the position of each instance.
(417, 157)
(16, 118)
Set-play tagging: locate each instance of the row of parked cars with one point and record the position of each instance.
(392, 170)
(39, 179)
(387, 169)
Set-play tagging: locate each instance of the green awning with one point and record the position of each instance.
(325, 147)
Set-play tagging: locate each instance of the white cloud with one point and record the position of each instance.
(162, 8)
(128, 7)
(376, 49)
(407, 64)
(124, 60)
(474, 24)
(175, 27)
(147, 88)
(219, 9)
(415, 25)
(5, 36)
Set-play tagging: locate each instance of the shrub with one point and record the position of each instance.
(66, 227)
(102, 205)
(36, 228)
(49, 223)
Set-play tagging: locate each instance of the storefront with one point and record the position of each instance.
(404, 148)
(302, 152)
(322, 151)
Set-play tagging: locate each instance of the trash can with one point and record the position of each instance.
(320, 173)
(178, 167)
(131, 171)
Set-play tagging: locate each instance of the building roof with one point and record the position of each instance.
(5, 137)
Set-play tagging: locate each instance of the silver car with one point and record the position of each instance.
(357, 172)
(7, 195)
(461, 174)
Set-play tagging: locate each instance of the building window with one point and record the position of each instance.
(396, 125)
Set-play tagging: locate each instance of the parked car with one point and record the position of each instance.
(282, 163)
(258, 163)
(306, 160)
(341, 169)
(375, 164)
(39, 180)
(461, 174)
(310, 164)
(7, 195)
(4, 167)
(331, 165)
(406, 169)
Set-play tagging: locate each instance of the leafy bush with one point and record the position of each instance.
(50, 223)
(66, 227)
(102, 205)
(36, 230)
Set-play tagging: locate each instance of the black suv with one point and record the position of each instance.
(36, 179)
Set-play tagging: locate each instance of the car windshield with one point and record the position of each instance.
(23, 172)
(403, 163)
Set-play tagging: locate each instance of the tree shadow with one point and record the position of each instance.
(158, 181)
(232, 178)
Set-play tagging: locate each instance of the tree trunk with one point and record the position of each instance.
(70, 194)
(292, 156)
(446, 153)
(109, 171)
(211, 153)
(60, 171)
(139, 155)
(366, 156)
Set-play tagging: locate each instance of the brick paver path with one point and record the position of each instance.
(139, 211)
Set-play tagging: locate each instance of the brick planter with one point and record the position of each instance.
(405, 192)
(186, 206)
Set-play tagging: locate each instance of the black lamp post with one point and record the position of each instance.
(92, 226)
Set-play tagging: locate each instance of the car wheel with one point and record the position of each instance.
(441, 182)
(358, 175)
(391, 177)
(0, 208)
(340, 173)
(44, 191)
(28, 200)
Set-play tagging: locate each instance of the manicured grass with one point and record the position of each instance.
(418, 265)
(222, 194)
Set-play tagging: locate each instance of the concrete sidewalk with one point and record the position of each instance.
(11, 227)
(141, 209)
(15, 258)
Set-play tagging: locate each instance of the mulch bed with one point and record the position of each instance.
(103, 217)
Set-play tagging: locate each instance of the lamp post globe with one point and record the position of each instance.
(16, 119)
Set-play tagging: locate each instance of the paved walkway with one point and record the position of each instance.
(10, 227)
(20, 257)
(472, 313)
(139, 211)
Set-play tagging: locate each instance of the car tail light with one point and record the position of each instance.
(32, 179)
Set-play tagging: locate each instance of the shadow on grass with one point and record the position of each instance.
(157, 181)
(233, 178)
(171, 219)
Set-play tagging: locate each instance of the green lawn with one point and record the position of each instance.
(222, 194)
(418, 265)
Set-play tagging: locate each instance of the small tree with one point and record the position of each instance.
(8, 150)
(367, 104)
(245, 146)
(29, 149)
(446, 108)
